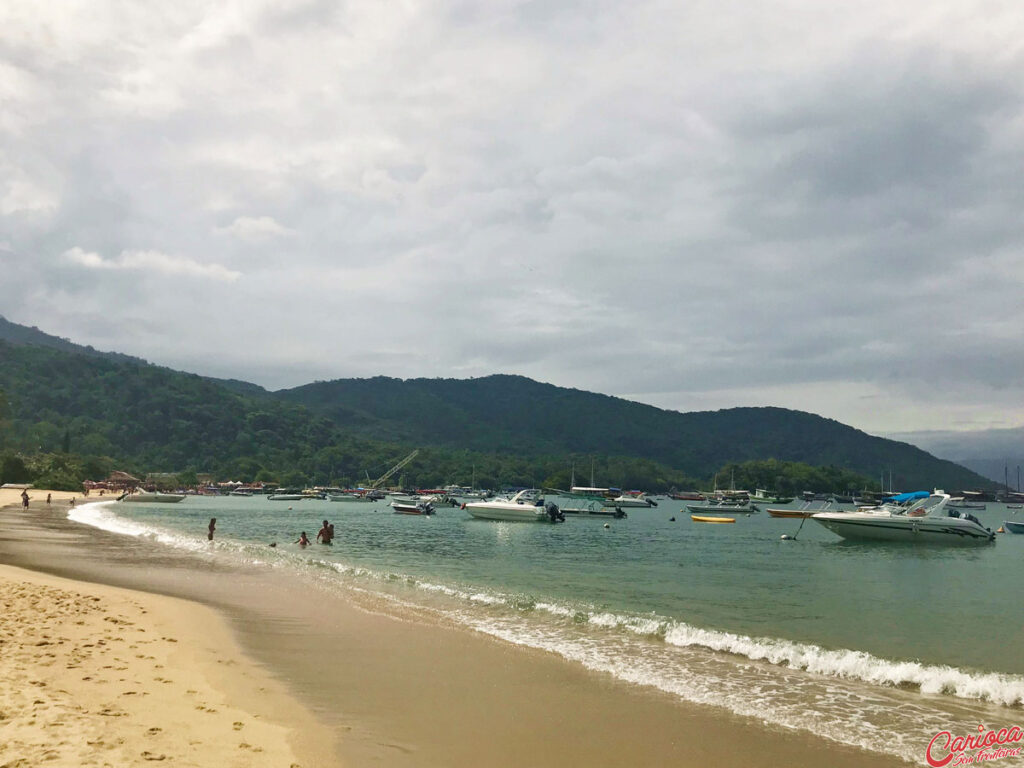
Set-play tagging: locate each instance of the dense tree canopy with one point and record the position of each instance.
(67, 416)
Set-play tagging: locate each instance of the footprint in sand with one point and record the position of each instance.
(154, 731)
(151, 756)
(238, 726)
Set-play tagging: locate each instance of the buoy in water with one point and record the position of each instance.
(787, 537)
(606, 525)
(671, 519)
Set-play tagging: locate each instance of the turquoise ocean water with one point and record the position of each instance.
(874, 645)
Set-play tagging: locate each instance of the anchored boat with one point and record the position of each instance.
(912, 517)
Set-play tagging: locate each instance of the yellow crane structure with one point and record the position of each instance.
(380, 480)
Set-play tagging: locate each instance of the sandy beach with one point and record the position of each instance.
(12, 496)
(365, 683)
(97, 676)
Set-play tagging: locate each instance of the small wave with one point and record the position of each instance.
(101, 514)
(1007, 690)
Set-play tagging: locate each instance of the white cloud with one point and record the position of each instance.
(151, 261)
(254, 230)
(709, 204)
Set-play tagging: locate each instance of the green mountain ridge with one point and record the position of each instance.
(523, 415)
(61, 395)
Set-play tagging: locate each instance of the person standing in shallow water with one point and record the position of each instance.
(326, 533)
(213, 525)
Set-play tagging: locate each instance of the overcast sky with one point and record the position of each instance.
(698, 205)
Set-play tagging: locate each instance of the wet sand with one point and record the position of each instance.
(394, 688)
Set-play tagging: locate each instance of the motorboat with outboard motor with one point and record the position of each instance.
(913, 517)
(595, 508)
(412, 507)
(632, 500)
(520, 508)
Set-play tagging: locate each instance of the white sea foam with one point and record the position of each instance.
(556, 610)
(1006, 690)
(102, 515)
(1002, 689)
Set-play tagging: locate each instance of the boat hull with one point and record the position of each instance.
(789, 513)
(525, 513)
(720, 509)
(401, 508)
(701, 519)
(955, 531)
(1013, 527)
(596, 511)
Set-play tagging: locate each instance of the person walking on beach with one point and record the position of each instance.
(24, 499)
(326, 533)
(48, 496)
(213, 525)
(303, 540)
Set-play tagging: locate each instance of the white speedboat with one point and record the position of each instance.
(354, 497)
(631, 500)
(520, 508)
(961, 503)
(154, 496)
(914, 517)
(412, 507)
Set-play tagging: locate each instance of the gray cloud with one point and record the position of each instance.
(696, 206)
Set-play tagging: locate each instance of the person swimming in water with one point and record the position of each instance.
(303, 540)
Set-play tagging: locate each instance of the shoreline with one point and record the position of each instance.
(400, 691)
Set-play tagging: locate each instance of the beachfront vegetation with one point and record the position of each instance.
(73, 415)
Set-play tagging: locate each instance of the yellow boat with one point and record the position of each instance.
(699, 519)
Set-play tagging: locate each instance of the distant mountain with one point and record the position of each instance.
(992, 453)
(64, 397)
(525, 416)
(21, 335)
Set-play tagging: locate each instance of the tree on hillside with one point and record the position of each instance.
(4, 410)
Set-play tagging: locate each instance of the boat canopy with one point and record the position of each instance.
(901, 497)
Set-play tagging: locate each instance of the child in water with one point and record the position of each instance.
(303, 540)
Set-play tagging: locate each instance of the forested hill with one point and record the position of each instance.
(524, 416)
(24, 336)
(58, 397)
